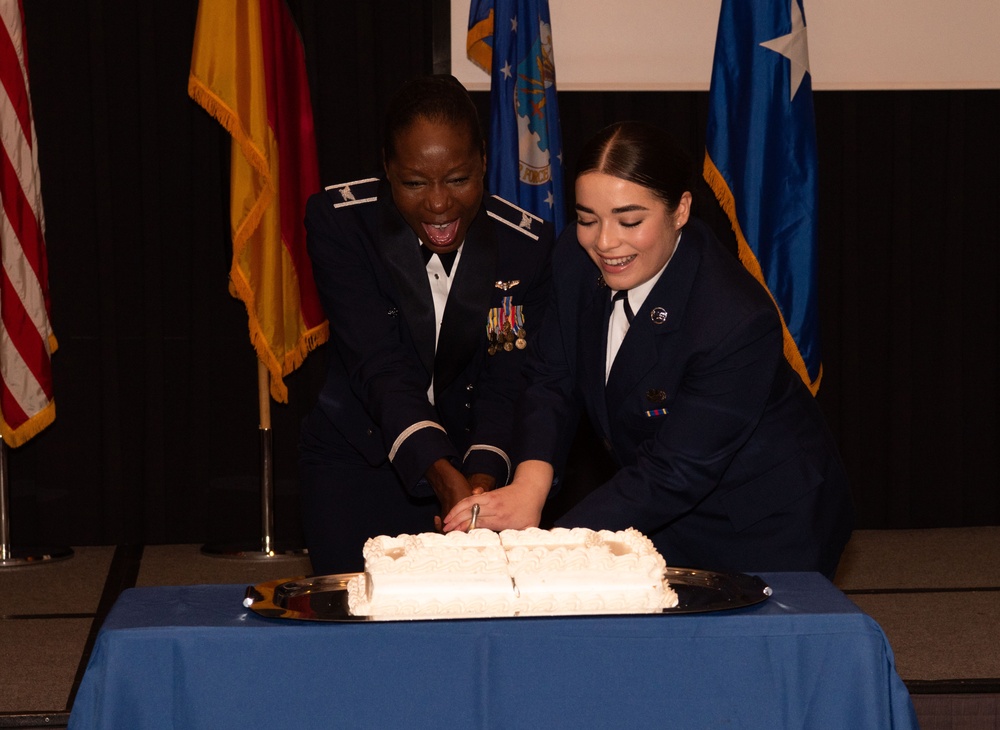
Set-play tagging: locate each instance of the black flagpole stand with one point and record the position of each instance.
(10, 558)
(268, 548)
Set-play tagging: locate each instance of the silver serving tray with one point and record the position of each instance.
(324, 597)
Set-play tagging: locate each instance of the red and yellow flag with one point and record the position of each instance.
(248, 71)
(26, 339)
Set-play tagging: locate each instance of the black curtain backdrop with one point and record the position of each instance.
(156, 437)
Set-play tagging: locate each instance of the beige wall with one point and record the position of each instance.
(853, 44)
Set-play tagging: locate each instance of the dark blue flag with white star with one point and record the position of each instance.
(512, 41)
(761, 161)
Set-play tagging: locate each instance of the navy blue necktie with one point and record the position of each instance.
(623, 295)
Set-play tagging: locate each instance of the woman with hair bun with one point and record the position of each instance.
(675, 351)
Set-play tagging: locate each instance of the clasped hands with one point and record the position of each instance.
(515, 506)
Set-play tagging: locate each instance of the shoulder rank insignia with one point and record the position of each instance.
(353, 193)
(513, 216)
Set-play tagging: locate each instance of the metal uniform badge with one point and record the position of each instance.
(655, 395)
(505, 325)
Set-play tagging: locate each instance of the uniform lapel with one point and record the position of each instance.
(636, 357)
(399, 249)
(464, 326)
(593, 348)
(657, 317)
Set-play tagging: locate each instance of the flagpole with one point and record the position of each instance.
(267, 549)
(8, 557)
(266, 467)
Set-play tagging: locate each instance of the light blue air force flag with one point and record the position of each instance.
(760, 160)
(512, 41)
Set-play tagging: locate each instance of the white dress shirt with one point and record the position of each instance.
(440, 282)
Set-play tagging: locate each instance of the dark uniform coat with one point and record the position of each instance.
(724, 457)
(374, 432)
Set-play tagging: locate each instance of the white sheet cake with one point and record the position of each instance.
(511, 573)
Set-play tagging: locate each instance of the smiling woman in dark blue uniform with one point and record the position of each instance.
(675, 351)
(432, 289)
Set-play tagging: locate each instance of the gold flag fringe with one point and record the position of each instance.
(724, 195)
(307, 342)
(37, 423)
(30, 428)
(480, 53)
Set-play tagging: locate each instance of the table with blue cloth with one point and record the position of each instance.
(194, 657)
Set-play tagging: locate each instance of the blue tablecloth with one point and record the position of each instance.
(193, 657)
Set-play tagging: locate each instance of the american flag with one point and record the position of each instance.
(26, 338)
